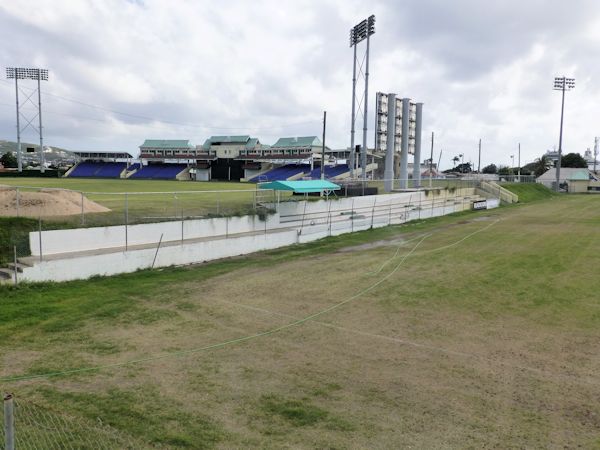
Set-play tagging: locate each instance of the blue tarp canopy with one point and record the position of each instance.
(301, 186)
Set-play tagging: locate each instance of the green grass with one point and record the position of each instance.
(530, 192)
(485, 341)
(148, 200)
(119, 185)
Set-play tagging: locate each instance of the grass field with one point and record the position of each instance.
(149, 200)
(476, 330)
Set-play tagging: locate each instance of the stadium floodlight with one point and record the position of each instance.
(561, 84)
(26, 73)
(23, 73)
(363, 30)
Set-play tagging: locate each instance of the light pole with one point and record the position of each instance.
(512, 163)
(359, 33)
(561, 84)
(21, 73)
(519, 164)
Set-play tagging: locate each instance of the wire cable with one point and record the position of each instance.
(220, 344)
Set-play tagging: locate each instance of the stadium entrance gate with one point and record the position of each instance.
(227, 169)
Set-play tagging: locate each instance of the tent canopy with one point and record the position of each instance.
(301, 186)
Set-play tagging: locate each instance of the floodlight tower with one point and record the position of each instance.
(359, 33)
(561, 84)
(21, 73)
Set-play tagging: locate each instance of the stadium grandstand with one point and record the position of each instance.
(232, 158)
(100, 164)
(237, 158)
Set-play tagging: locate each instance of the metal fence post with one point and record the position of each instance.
(373, 212)
(40, 235)
(329, 216)
(15, 262)
(126, 221)
(82, 210)
(18, 200)
(352, 216)
(9, 422)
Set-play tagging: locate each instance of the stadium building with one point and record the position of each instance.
(231, 158)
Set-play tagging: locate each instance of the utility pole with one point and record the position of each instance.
(519, 169)
(479, 162)
(595, 152)
(323, 150)
(431, 161)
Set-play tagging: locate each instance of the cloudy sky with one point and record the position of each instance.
(123, 71)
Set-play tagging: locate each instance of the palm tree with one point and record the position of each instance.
(542, 164)
(455, 160)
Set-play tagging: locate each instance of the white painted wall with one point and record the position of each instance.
(123, 262)
(83, 239)
(374, 211)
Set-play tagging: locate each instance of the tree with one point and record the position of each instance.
(464, 168)
(541, 165)
(490, 169)
(9, 160)
(573, 160)
(505, 170)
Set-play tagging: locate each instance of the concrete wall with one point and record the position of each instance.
(323, 218)
(83, 239)
(83, 267)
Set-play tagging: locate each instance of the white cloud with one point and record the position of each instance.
(482, 69)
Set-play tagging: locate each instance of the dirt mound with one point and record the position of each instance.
(45, 203)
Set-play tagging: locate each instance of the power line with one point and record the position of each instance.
(182, 124)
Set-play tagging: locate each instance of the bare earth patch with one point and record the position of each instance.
(45, 203)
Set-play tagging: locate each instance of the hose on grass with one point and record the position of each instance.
(230, 342)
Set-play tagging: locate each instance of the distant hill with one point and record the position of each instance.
(51, 153)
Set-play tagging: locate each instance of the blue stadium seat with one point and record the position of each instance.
(159, 171)
(282, 173)
(98, 170)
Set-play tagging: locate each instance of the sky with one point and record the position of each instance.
(124, 71)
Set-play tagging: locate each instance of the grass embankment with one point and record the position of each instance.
(484, 336)
(530, 192)
(148, 200)
(14, 232)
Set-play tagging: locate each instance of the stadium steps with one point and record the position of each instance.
(6, 276)
(20, 266)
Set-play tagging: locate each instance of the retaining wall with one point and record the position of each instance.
(83, 239)
(349, 216)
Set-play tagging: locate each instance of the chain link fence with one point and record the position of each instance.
(31, 426)
(28, 209)
(33, 211)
